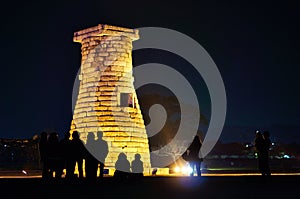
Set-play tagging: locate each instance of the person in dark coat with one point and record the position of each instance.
(65, 145)
(122, 167)
(137, 167)
(43, 143)
(259, 146)
(54, 155)
(102, 152)
(77, 154)
(91, 162)
(194, 159)
(265, 154)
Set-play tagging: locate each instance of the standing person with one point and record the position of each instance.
(65, 145)
(102, 151)
(91, 162)
(265, 154)
(193, 153)
(43, 142)
(77, 154)
(54, 156)
(259, 145)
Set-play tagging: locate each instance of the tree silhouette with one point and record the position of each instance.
(174, 116)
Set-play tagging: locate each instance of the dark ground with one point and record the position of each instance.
(253, 187)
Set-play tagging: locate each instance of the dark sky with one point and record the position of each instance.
(254, 44)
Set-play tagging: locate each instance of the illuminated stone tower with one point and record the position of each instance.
(107, 100)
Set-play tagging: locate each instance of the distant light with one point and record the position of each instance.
(247, 145)
(286, 156)
(273, 143)
(5, 145)
(23, 171)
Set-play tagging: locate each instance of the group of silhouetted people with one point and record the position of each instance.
(57, 155)
(51, 155)
(128, 171)
(97, 150)
(262, 144)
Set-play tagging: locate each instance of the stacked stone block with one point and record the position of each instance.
(106, 74)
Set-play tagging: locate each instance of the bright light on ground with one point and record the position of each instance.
(186, 169)
(177, 169)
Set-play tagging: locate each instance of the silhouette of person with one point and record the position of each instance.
(54, 156)
(194, 159)
(78, 149)
(265, 154)
(43, 144)
(137, 167)
(122, 167)
(91, 162)
(101, 153)
(65, 145)
(259, 145)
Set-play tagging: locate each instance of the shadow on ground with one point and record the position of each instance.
(253, 187)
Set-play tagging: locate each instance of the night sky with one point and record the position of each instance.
(255, 46)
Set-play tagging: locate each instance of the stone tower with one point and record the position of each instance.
(106, 99)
